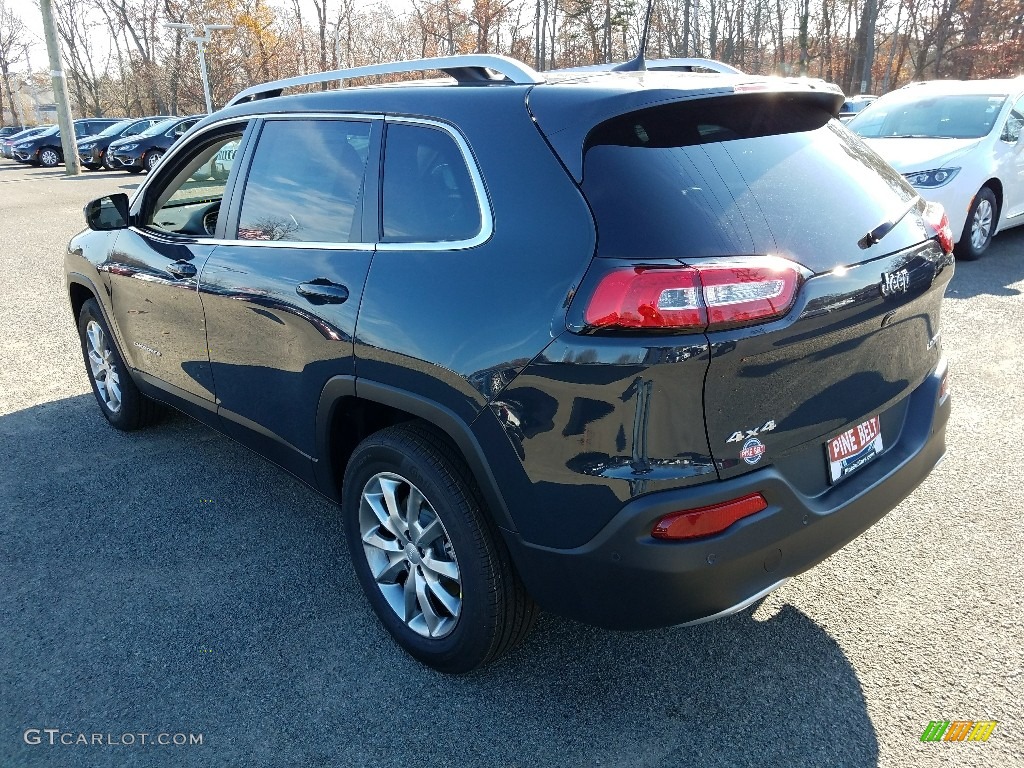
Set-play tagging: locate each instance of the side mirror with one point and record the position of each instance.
(108, 213)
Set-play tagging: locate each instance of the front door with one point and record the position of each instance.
(1011, 151)
(154, 270)
(281, 299)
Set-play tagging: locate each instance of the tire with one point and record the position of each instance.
(123, 405)
(133, 169)
(92, 167)
(151, 159)
(107, 163)
(980, 224)
(49, 157)
(469, 607)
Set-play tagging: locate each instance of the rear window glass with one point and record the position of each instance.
(735, 175)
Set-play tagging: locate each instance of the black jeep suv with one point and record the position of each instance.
(634, 347)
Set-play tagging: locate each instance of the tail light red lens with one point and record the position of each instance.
(696, 297)
(705, 521)
(936, 217)
(647, 298)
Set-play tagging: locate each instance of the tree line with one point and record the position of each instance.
(121, 59)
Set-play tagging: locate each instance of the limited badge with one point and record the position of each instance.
(753, 450)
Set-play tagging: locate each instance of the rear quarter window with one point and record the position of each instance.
(428, 193)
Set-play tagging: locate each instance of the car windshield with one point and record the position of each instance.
(161, 127)
(968, 116)
(116, 128)
(25, 134)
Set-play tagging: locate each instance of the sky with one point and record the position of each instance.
(29, 13)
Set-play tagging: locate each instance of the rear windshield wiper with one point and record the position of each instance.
(883, 229)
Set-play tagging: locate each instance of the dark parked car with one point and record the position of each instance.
(853, 105)
(7, 142)
(143, 152)
(92, 150)
(682, 343)
(45, 148)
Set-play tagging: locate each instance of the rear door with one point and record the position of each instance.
(282, 293)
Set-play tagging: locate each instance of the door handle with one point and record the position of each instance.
(182, 269)
(321, 291)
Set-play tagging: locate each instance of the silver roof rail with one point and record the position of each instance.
(689, 64)
(663, 65)
(470, 68)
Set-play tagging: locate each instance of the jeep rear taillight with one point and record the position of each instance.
(647, 298)
(695, 298)
(937, 219)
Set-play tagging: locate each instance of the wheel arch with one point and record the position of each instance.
(997, 189)
(80, 290)
(351, 409)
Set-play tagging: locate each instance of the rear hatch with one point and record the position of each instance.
(727, 181)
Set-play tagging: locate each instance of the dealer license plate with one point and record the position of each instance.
(853, 449)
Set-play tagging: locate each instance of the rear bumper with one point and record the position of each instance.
(625, 579)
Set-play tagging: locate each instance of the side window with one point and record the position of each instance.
(189, 202)
(1014, 123)
(428, 194)
(305, 181)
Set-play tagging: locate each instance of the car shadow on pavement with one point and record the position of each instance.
(167, 581)
(995, 273)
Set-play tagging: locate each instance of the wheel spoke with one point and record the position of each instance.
(114, 391)
(411, 587)
(430, 616)
(445, 568)
(426, 535)
(446, 598)
(391, 572)
(375, 501)
(388, 487)
(413, 504)
(95, 362)
(374, 539)
(95, 334)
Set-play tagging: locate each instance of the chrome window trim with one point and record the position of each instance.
(484, 234)
(483, 200)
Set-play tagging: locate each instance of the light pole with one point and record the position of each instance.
(60, 93)
(201, 41)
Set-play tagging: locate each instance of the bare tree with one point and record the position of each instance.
(12, 38)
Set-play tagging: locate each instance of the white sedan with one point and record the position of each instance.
(959, 143)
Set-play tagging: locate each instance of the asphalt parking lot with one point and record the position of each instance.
(169, 582)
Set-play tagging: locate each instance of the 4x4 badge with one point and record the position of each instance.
(895, 282)
(743, 434)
